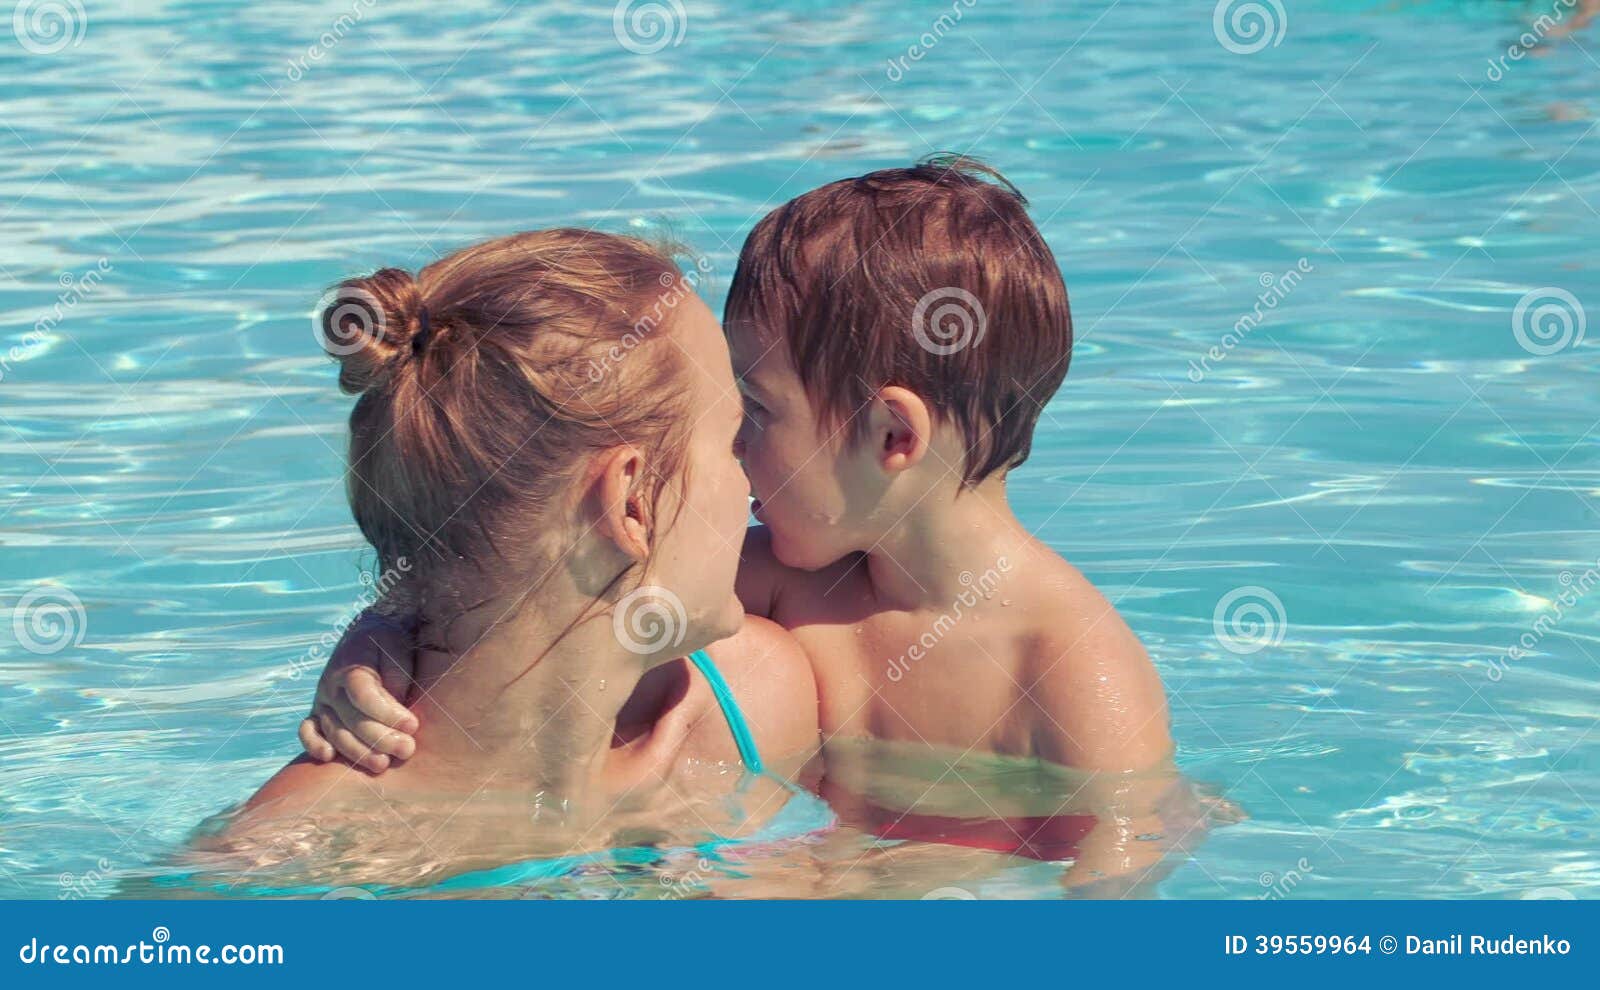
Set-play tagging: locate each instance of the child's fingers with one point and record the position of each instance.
(367, 692)
(350, 747)
(372, 733)
(311, 741)
(377, 736)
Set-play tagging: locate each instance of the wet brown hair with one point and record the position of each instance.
(484, 378)
(932, 278)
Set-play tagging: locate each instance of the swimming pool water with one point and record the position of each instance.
(1329, 523)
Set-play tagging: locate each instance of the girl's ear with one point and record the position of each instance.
(902, 428)
(617, 494)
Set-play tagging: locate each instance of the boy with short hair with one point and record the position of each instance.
(896, 337)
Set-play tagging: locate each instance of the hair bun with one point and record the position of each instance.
(367, 325)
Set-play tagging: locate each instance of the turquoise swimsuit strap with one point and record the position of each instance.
(730, 711)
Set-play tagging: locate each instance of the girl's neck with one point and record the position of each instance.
(503, 695)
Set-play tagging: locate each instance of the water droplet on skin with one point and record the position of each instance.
(1005, 603)
(602, 685)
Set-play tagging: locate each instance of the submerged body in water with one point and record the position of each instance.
(901, 821)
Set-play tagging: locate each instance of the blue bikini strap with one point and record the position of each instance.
(730, 711)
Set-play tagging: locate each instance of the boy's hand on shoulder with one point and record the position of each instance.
(357, 712)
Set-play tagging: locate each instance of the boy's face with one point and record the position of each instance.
(816, 491)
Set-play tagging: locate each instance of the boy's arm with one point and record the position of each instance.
(1101, 702)
(357, 712)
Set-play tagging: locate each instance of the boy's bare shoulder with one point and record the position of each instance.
(761, 576)
(1085, 669)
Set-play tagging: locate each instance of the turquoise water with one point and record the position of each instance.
(1383, 479)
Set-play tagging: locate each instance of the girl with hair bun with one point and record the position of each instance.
(544, 441)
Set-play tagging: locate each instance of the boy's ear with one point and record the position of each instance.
(902, 428)
(616, 493)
